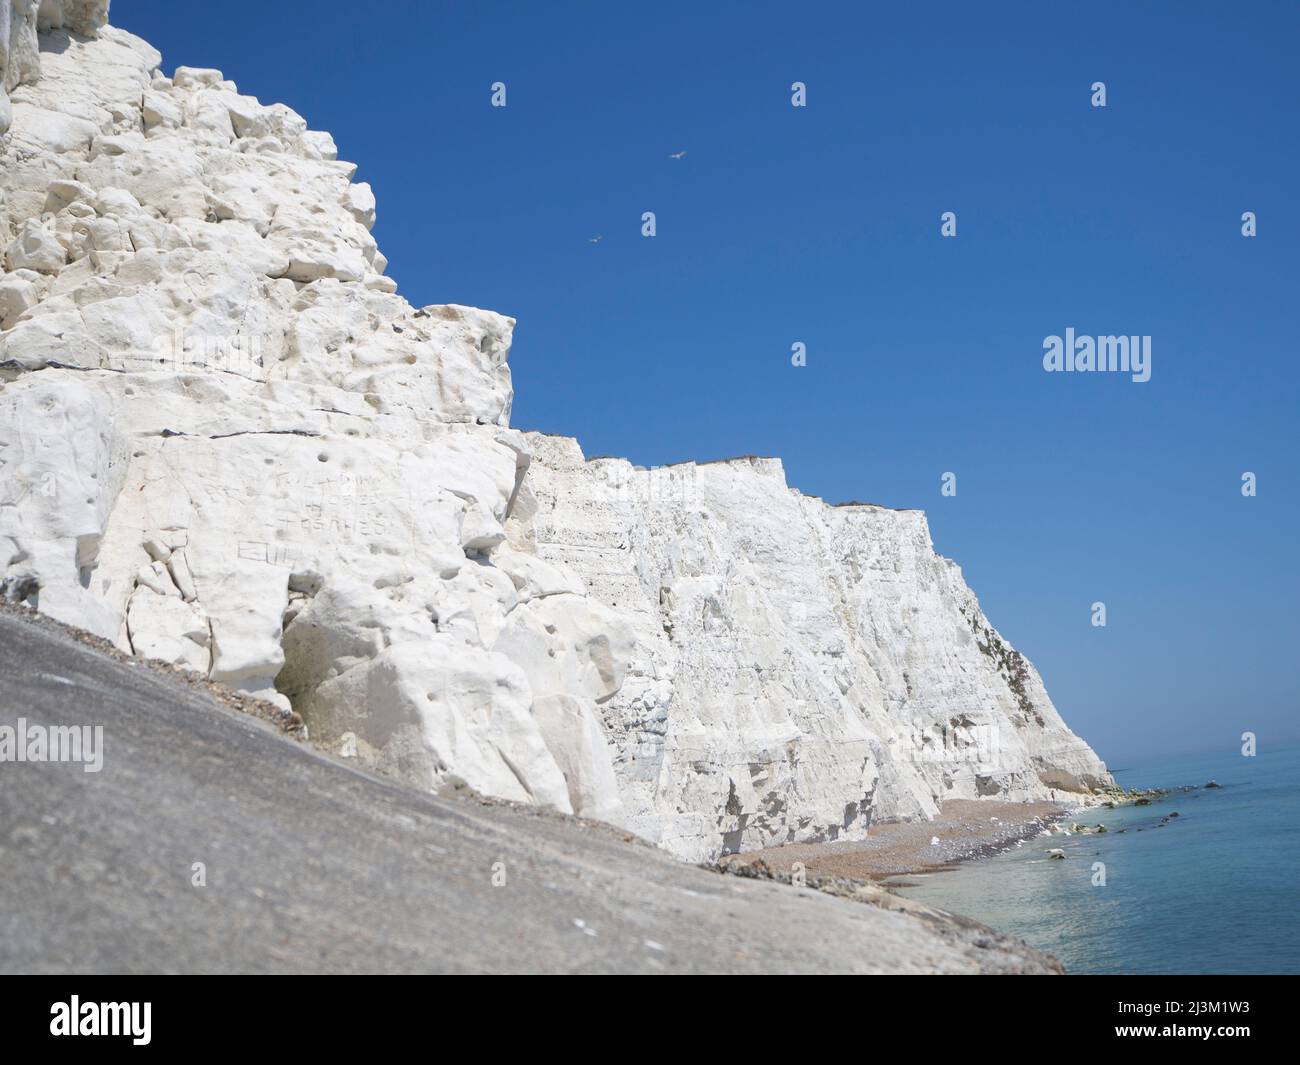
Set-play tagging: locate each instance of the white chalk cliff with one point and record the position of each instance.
(227, 443)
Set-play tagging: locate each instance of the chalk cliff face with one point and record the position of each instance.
(226, 442)
(799, 669)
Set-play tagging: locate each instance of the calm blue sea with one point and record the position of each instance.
(1217, 890)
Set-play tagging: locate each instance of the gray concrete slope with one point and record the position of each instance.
(314, 866)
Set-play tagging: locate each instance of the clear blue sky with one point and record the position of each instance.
(821, 225)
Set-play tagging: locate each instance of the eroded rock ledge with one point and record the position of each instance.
(227, 443)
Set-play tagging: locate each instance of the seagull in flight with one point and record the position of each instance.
(596, 239)
(676, 155)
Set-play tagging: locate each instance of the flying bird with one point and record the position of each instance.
(675, 155)
(596, 239)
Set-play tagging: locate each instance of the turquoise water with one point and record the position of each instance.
(1217, 890)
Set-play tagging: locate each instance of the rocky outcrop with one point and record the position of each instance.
(20, 23)
(227, 443)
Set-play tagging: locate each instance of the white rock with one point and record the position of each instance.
(572, 731)
(40, 129)
(64, 464)
(19, 47)
(35, 248)
(196, 78)
(160, 110)
(167, 629)
(360, 202)
(180, 572)
(156, 578)
(317, 144)
(85, 17)
(64, 191)
(798, 669)
(534, 578)
(16, 296)
(227, 443)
